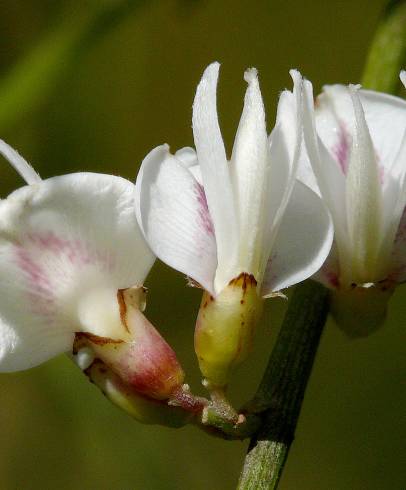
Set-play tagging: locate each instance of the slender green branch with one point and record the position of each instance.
(32, 78)
(387, 53)
(219, 424)
(282, 388)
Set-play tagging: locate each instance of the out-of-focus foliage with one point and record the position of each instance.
(128, 92)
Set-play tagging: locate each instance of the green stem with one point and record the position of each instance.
(29, 82)
(281, 391)
(215, 422)
(387, 53)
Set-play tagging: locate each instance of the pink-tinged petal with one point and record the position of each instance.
(215, 174)
(143, 360)
(394, 202)
(397, 266)
(303, 241)
(329, 176)
(175, 218)
(66, 245)
(341, 150)
(19, 163)
(385, 117)
(329, 272)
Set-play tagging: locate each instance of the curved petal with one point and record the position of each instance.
(398, 258)
(289, 116)
(215, 174)
(66, 245)
(402, 76)
(305, 171)
(394, 201)
(363, 198)
(250, 172)
(174, 216)
(330, 179)
(188, 158)
(285, 143)
(19, 163)
(329, 176)
(329, 272)
(303, 241)
(385, 116)
(285, 146)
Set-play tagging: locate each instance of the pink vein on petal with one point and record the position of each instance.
(342, 148)
(42, 299)
(76, 251)
(204, 213)
(41, 282)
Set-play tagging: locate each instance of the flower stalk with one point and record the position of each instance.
(280, 394)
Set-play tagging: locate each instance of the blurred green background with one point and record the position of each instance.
(122, 89)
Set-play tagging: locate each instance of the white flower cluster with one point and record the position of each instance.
(323, 196)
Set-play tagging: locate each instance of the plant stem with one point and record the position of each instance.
(282, 388)
(387, 53)
(216, 423)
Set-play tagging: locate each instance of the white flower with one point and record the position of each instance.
(215, 220)
(356, 143)
(71, 253)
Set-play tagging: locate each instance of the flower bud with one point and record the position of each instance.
(140, 357)
(145, 410)
(225, 327)
(361, 309)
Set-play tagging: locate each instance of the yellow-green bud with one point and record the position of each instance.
(225, 327)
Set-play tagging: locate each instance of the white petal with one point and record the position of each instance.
(66, 245)
(215, 174)
(402, 77)
(250, 174)
(289, 115)
(175, 218)
(394, 202)
(305, 171)
(385, 117)
(188, 158)
(19, 164)
(303, 241)
(329, 272)
(330, 178)
(285, 146)
(363, 199)
(285, 142)
(397, 268)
